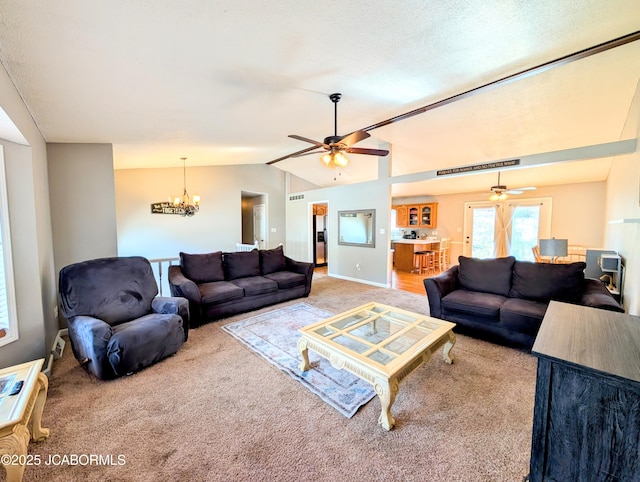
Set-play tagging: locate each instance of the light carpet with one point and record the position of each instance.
(274, 336)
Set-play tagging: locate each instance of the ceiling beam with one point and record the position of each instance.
(597, 151)
(581, 54)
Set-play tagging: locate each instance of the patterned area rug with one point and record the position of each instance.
(274, 336)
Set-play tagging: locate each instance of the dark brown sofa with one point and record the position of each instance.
(504, 300)
(220, 284)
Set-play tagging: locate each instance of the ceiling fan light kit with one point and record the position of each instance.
(336, 146)
(499, 191)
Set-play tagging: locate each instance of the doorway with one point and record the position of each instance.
(319, 234)
(254, 213)
(506, 228)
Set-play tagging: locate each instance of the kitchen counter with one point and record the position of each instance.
(405, 248)
(416, 241)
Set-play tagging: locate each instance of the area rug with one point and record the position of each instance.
(274, 336)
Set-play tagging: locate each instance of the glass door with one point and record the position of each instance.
(511, 227)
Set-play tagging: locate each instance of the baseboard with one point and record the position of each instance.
(348, 278)
(56, 350)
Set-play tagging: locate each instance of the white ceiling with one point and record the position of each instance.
(226, 82)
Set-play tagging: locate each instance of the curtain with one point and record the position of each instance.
(501, 244)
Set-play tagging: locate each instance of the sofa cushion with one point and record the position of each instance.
(256, 285)
(523, 316)
(486, 275)
(287, 279)
(241, 264)
(219, 291)
(202, 268)
(547, 281)
(474, 302)
(272, 260)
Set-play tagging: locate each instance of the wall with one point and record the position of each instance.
(83, 214)
(218, 225)
(623, 202)
(344, 260)
(578, 213)
(30, 224)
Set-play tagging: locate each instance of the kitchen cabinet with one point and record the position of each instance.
(417, 215)
(402, 216)
(429, 215)
(586, 410)
(319, 210)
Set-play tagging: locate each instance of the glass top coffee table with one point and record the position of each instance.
(379, 344)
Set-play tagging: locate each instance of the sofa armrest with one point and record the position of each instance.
(596, 295)
(439, 286)
(173, 305)
(181, 286)
(303, 268)
(89, 338)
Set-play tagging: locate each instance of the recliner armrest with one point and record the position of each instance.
(596, 295)
(438, 287)
(89, 339)
(173, 305)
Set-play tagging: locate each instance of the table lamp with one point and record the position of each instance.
(554, 248)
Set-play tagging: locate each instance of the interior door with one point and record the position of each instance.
(260, 225)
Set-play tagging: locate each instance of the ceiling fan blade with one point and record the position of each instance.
(364, 150)
(307, 153)
(354, 137)
(513, 191)
(528, 188)
(310, 141)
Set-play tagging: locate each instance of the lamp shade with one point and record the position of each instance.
(553, 247)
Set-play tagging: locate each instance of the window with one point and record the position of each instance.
(8, 318)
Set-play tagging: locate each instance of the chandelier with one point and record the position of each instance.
(183, 204)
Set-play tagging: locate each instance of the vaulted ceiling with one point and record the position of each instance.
(227, 82)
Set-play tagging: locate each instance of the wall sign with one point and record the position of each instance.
(166, 208)
(478, 167)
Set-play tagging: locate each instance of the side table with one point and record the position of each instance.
(21, 415)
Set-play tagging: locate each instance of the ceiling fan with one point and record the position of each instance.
(499, 191)
(336, 146)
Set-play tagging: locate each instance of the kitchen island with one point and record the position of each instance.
(405, 249)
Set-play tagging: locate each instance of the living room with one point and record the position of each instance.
(70, 198)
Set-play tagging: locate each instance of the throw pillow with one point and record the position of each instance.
(272, 260)
(241, 264)
(486, 275)
(546, 281)
(202, 268)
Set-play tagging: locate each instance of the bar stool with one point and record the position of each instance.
(425, 261)
(442, 255)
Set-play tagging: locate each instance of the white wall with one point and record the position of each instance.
(623, 202)
(30, 223)
(83, 202)
(343, 260)
(218, 225)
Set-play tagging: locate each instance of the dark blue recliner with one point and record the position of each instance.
(116, 323)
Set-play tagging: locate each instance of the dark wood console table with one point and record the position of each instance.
(586, 424)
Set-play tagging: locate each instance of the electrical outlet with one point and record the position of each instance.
(358, 266)
(55, 311)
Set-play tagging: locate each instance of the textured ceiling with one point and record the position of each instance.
(226, 82)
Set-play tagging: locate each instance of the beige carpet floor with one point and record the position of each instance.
(216, 411)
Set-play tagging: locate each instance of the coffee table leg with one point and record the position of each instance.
(447, 348)
(386, 390)
(304, 351)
